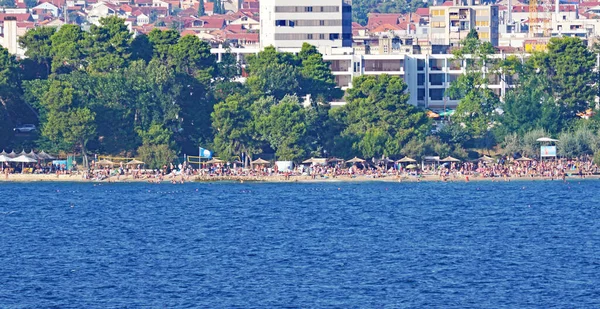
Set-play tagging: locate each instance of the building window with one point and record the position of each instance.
(309, 36)
(280, 23)
(438, 24)
(321, 23)
(321, 36)
(334, 36)
(308, 9)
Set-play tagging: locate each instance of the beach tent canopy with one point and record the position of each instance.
(406, 160)
(44, 156)
(259, 161)
(135, 162)
(105, 162)
(334, 159)
(546, 139)
(411, 166)
(487, 159)
(12, 154)
(215, 161)
(356, 160)
(315, 161)
(23, 159)
(308, 161)
(32, 155)
(450, 159)
(524, 159)
(4, 158)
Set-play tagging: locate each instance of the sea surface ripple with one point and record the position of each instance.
(517, 244)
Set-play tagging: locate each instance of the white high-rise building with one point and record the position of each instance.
(287, 24)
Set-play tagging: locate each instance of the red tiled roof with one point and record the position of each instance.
(386, 28)
(216, 23)
(248, 37)
(234, 28)
(422, 11)
(187, 32)
(142, 1)
(448, 3)
(126, 8)
(19, 17)
(376, 20)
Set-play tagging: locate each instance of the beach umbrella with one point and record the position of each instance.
(105, 162)
(335, 160)
(486, 158)
(450, 159)
(23, 159)
(4, 158)
(259, 161)
(308, 161)
(215, 161)
(355, 160)
(523, 159)
(406, 160)
(411, 166)
(135, 162)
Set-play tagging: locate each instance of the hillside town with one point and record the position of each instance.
(416, 46)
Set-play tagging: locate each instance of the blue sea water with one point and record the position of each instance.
(320, 245)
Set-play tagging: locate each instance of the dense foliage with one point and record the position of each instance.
(362, 8)
(160, 95)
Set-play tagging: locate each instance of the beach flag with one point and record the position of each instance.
(205, 153)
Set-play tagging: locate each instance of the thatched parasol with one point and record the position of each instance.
(260, 161)
(450, 159)
(406, 160)
(355, 160)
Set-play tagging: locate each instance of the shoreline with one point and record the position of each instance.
(28, 178)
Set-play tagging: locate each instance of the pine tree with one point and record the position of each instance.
(201, 8)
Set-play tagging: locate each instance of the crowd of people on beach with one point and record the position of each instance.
(501, 168)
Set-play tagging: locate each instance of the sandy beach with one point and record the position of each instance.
(271, 179)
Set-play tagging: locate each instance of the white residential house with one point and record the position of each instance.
(142, 19)
(159, 3)
(247, 22)
(45, 7)
(101, 10)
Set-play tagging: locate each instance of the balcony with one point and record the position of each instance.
(384, 66)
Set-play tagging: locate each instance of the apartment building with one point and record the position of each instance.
(449, 24)
(428, 76)
(322, 23)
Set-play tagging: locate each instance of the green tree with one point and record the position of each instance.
(232, 122)
(7, 3)
(569, 66)
(286, 129)
(67, 122)
(38, 45)
(162, 42)
(109, 45)
(317, 79)
(68, 49)
(378, 118)
(30, 3)
(192, 57)
(201, 8)
(475, 110)
(273, 74)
